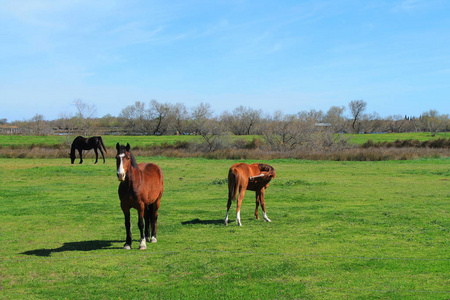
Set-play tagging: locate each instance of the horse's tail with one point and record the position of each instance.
(233, 183)
(103, 145)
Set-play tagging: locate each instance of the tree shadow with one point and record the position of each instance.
(74, 246)
(203, 222)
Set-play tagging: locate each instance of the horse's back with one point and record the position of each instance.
(244, 170)
(77, 140)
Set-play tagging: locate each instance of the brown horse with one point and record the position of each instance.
(254, 177)
(141, 187)
(81, 143)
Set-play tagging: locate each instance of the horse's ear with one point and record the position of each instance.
(118, 147)
(128, 147)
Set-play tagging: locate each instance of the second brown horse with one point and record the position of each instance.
(254, 177)
(141, 187)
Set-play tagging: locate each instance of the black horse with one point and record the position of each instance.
(81, 143)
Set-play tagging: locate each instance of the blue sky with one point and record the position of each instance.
(270, 55)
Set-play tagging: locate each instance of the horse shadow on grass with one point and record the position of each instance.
(74, 246)
(203, 222)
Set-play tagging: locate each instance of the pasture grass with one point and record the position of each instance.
(23, 141)
(392, 137)
(354, 230)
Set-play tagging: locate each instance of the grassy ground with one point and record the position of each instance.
(392, 137)
(339, 230)
(109, 140)
(146, 141)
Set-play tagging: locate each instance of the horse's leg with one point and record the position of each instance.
(258, 200)
(154, 220)
(238, 208)
(80, 151)
(126, 213)
(263, 205)
(228, 208)
(142, 245)
(147, 218)
(103, 155)
(96, 155)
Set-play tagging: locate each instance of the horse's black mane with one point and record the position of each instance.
(133, 160)
(265, 168)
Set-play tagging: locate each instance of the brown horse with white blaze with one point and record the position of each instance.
(254, 177)
(141, 187)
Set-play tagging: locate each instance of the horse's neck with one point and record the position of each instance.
(134, 175)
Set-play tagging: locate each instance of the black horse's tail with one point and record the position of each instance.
(101, 144)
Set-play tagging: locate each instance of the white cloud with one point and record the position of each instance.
(414, 5)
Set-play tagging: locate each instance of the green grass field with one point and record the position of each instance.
(340, 230)
(146, 141)
(109, 140)
(392, 137)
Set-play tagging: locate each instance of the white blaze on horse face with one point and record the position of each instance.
(121, 171)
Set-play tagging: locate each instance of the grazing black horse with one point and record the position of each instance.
(81, 143)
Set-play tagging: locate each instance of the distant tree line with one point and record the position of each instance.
(284, 131)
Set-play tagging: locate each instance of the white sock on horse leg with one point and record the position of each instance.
(238, 218)
(143, 245)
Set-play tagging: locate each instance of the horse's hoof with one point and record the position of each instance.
(142, 245)
(127, 247)
(153, 240)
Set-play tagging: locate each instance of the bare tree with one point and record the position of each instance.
(200, 115)
(243, 120)
(432, 121)
(396, 123)
(38, 126)
(335, 118)
(356, 109)
(178, 118)
(85, 114)
(214, 135)
(159, 113)
(282, 132)
(136, 118)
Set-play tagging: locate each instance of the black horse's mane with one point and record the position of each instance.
(133, 161)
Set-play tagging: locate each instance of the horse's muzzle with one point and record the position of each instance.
(121, 176)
